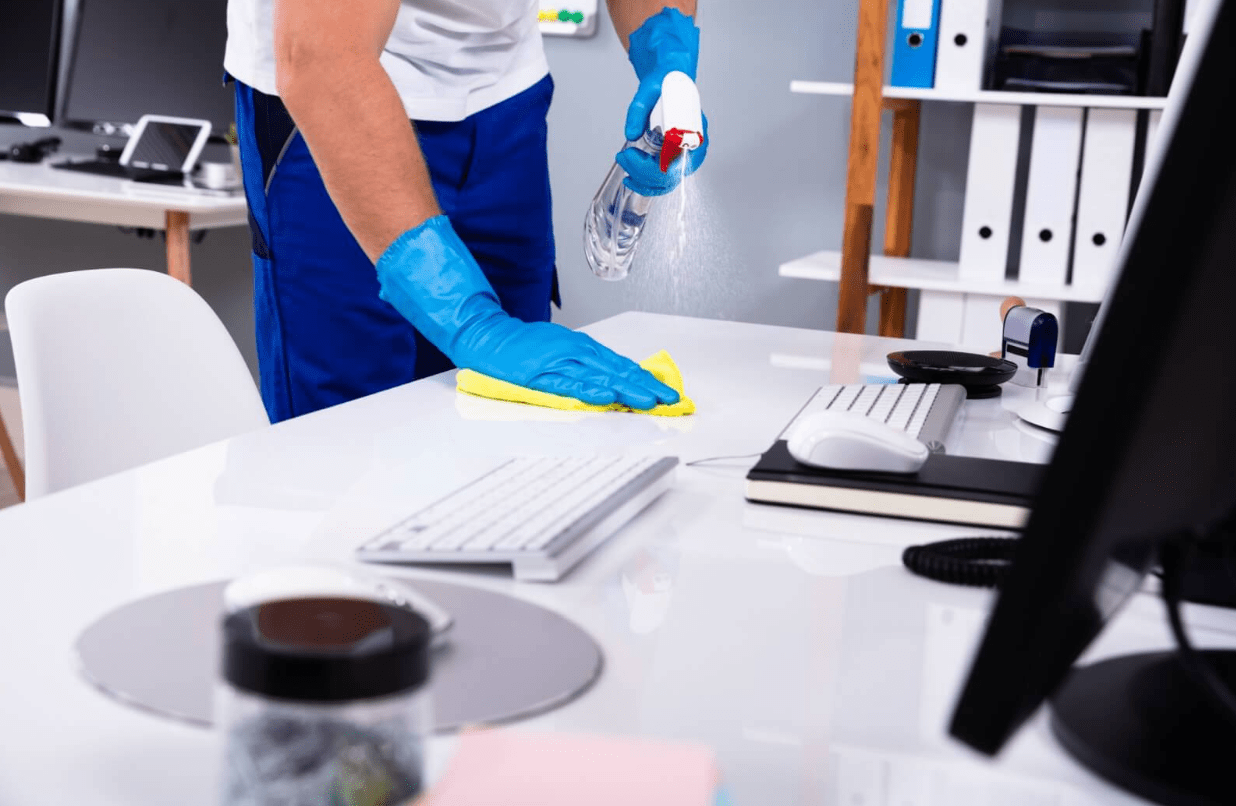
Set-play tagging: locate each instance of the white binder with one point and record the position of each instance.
(991, 179)
(968, 33)
(1152, 132)
(1103, 198)
(1047, 232)
(1191, 7)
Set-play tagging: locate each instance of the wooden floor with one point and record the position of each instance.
(11, 411)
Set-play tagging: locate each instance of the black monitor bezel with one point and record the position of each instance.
(104, 127)
(52, 108)
(1048, 607)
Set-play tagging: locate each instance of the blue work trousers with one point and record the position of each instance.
(323, 335)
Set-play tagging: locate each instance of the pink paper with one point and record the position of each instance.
(509, 768)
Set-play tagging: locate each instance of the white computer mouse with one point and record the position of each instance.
(291, 582)
(842, 440)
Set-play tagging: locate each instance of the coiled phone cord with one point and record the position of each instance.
(982, 562)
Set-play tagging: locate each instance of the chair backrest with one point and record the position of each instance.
(120, 367)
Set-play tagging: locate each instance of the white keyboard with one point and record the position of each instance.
(925, 411)
(540, 515)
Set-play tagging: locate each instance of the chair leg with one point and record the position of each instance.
(16, 472)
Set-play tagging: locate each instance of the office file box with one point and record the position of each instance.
(1067, 61)
(1051, 192)
(914, 45)
(1103, 196)
(991, 179)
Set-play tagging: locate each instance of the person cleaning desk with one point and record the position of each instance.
(453, 210)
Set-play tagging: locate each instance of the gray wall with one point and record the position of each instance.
(773, 186)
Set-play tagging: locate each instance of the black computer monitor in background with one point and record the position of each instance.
(1146, 465)
(29, 61)
(130, 58)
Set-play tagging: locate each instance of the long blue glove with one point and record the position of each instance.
(431, 278)
(666, 42)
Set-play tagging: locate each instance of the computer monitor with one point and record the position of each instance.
(130, 58)
(1146, 462)
(29, 61)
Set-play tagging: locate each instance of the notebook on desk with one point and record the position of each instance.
(948, 489)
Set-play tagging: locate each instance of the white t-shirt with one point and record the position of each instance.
(448, 58)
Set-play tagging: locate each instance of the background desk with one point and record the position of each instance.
(790, 641)
(45, 192)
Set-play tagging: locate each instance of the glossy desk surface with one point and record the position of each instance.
(790, 641)
(38, 189)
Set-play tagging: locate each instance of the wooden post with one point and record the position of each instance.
(861, 169)
(16, 472)
(178, 246)
(899, 218)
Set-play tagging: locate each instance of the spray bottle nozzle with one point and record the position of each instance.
(676, 142)
(677, 115)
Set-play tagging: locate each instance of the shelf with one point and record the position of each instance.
(930, 275)
(987, 96)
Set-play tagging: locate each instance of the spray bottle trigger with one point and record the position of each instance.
(675, 142)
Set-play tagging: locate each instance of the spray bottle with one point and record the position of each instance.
(617, 214)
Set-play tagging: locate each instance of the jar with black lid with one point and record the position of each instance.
(324, 702)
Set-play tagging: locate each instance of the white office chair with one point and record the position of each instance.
(119, 367)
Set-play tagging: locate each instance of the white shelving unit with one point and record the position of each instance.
(954, 308)
(986, 96)
(951, 310)
(1069, 201)
(930, 275)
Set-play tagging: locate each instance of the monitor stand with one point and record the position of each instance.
(1140, 722)
(1049, 412)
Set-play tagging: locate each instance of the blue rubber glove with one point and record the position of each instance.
(666, 42)
(431, 278)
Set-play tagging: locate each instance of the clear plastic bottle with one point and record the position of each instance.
(616, 218)
(617, 215)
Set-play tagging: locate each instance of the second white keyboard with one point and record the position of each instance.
(540, 514)
(925, 411)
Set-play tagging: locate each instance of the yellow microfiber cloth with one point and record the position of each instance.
(660, 365)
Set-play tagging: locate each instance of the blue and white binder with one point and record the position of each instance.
(914, 48)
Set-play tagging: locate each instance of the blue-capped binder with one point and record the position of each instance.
(914, 49)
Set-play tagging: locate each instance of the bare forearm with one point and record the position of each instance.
(351, 117)
(629, 15)
(355, 125)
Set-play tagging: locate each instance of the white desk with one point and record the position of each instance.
(42, 191)
(790, 641)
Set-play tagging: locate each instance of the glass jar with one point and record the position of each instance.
(324, 702)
